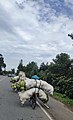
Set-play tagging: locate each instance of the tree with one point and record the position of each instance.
(20, 66)
(31, 69)
(71, 35)
(43, 66)
(2, 64)
(69, 88)
(13, 71)
(62, 58)
(59, 73)
(61, 64)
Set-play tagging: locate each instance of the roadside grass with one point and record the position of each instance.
(62, 98)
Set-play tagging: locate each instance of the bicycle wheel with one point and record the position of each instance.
(33, 103)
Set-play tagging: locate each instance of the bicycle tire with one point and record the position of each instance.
(33, 104)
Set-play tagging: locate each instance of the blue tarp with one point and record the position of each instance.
(35, 77)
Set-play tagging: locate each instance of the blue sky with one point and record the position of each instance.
(35, 30)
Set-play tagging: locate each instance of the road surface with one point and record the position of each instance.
(10, 108)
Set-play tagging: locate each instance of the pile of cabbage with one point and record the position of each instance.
(19, 86)
(14, 79)
(26, 87)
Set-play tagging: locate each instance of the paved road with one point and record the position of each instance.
(10, 108)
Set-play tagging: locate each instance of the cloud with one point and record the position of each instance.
(33, 31)
(69, 3)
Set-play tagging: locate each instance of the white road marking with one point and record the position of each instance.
(46, 106)
(50, 118)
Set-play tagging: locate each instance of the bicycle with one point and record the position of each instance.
(33, 100)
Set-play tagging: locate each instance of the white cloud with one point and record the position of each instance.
(26, 36)
(33, 32)
(69, 3)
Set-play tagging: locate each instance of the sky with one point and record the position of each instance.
(35, 30)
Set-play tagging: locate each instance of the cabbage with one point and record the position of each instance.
(21, 83)
(22, 88)
(13, 86)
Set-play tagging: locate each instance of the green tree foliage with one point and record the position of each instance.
(61, 74)
(2, 64)
(43, 66)
(61, 64)
(58, 73)
(43, 71)
(31, 69)
(13, 71)
(69, 88)
(20, 67)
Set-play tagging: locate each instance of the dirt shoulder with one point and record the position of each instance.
(59, 111)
